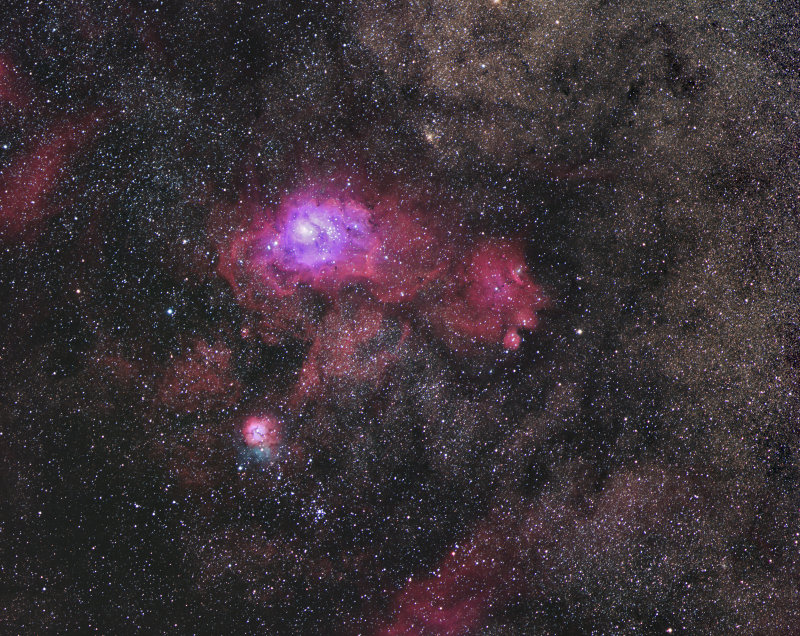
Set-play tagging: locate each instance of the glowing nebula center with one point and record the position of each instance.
(329, 233)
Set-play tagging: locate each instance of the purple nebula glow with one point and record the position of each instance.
(333, 233)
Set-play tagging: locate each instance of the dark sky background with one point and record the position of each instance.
(631, 467)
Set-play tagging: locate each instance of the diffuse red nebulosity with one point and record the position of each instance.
(30, 179)
(201, 380)
(200, 463)
(356, 342)
(324, 242)
(356, 272)
(35, 173)
(14, 91)
(489, 570)
(487, 298)
(282, 308)
(411, 256)
(520, 549)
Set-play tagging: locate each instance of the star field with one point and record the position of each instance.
(399, 318)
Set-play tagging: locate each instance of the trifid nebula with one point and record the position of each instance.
(384, 318)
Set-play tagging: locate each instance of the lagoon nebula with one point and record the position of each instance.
(396, 318)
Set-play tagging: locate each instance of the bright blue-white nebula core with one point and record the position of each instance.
(330, 233)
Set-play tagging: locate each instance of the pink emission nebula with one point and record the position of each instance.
(367, 257)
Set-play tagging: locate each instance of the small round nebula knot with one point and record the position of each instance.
(262, 433)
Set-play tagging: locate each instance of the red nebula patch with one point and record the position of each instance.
(28, 182)
(515, 550)
(262, 432)
(488, 298)
(325, 243)
(470, 581)
(202, 380)
(14, 94)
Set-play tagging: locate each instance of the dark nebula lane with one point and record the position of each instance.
(389, 318)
